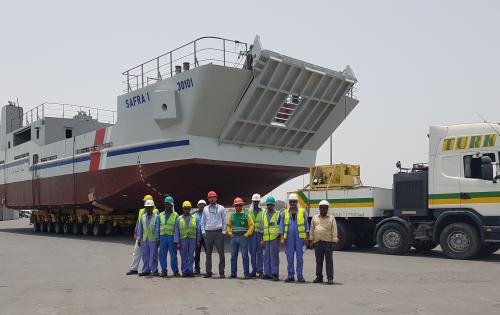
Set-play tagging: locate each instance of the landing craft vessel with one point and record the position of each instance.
(213, 114)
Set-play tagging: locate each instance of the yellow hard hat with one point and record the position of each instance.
(147, 197)
(186, 204)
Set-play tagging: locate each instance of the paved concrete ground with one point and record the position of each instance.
(49, 274)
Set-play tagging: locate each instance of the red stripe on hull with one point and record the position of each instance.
(95, 157)
(123, 188)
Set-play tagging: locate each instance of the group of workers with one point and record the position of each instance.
(257, 234)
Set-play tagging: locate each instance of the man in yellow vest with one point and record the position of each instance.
(270, 240)
(136, 254)
(187, 236)
(294, 230)
(148, 237)
(168, 218)
(239, 227)
(254, 247)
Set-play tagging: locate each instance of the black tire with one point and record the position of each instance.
(345, 235)
(364, 239)
(43, 227)
(66, 228)
(424, 246)
(50, 227)
(57, 228)
(108, 228)
(97, 229)
(86, 229)
(393, 239)
(36, 227)
(460, 241)
(76, 228)
(489, 249)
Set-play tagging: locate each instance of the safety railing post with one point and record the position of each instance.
(158, 68)
(171, 74)
(194, 48)
(62, 110)
(128, 82)
(142, 74)
(224, 50)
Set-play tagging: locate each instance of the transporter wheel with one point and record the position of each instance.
(66, 228)
(76, 228)
(57, 228)
(364, 239)
(36, 227)
(43, 227)
(345, 235)
(424, 246)
(488, 249)
(460, 241)
(108, 228)
(97, 229)
(86, 228)
(393, 239)
(50, 227)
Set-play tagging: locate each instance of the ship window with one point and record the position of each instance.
(8, 145)
(69, 133)
(472, 165)
(22, 136)
(38, 133)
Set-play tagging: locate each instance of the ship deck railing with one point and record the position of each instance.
(69, 111)
(201, 51)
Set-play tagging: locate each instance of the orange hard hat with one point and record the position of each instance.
(238, 202)
(212, 194)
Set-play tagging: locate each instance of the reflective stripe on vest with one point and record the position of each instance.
(239, 222)
(189, 232)
(257, 219)
(300, 223)
(271, 229)
(167, 228)
(141, 212)
(149, 232)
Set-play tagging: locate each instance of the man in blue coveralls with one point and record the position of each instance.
(167, 245)
(294, 231)
(187, 236)
(148, 237)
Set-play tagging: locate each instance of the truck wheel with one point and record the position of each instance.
(76, 228)
(36, 227)
(424, 246)
(364, 239)
(488, 249)
(86, 228)
(50, 227)
(66, 228)
(97, 229)
(460, 241)
(393, 239)
(108, 228)
(57, 228)
(345, 235)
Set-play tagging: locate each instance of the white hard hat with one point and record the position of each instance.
(256, 197)
(201, 202)
(324, 203)
(149, 203)
(293, 197)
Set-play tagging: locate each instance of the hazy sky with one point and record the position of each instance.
(418, 63)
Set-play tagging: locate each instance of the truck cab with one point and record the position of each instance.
(454, 201)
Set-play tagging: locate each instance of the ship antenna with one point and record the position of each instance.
(489, 124)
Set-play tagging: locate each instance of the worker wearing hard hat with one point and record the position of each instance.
(254, 247)
(213, 229)
(323, 235)
(136, 254)
(148, 237)
(201, 205)
(270, 240)
(294, 230)
(239, 226)
(187, 235)
(168, 218)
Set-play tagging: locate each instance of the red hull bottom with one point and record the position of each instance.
(123, 188)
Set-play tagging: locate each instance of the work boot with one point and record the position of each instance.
(222, 276)
(208, 275)
(253, 274)
(318, 280)
(177, 274)
(247, 277)
(142, 274)
(197, 272)
(132, 272)
(163, 274)
(301, 280)
(267, 277)
(155, 274)
(276, 278)
(330, 281)
(185, 274)
(232, 276)
(260, 275)
(289, 280)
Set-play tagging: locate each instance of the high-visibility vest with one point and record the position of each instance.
(271, 229)
(189, 232)
(149, 232)
(141, 212)
(239, 222)
(167, 226)
(300, 223)
(257, 219)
